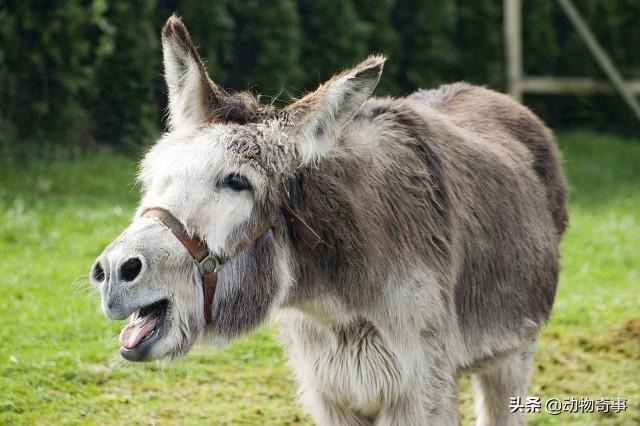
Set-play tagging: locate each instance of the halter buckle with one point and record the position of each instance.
(210, 264)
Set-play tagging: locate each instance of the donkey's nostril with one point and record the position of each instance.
(98, 273)
(130, 269)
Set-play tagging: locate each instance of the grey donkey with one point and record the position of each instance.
(407, 240)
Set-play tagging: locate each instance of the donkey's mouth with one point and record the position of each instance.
(146, 327)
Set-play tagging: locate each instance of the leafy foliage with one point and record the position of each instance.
(124, 111)
(334, 38)
(382, 38)
(80, 71)
(47, 66)
(267, 45)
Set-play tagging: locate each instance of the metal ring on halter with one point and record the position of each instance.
(210, 264)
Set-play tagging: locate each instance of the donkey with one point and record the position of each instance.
(398, 242)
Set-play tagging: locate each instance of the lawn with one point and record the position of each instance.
(58, 357)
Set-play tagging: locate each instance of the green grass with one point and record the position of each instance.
(58, 361)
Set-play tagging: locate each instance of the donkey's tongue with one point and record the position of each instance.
(135, 332)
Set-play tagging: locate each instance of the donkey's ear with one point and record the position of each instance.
(318, 118)
(192, 94)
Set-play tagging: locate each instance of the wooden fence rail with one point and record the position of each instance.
(519, 83)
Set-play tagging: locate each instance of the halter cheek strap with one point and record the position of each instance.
(207, 262)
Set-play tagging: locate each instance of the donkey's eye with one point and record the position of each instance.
(236, 182)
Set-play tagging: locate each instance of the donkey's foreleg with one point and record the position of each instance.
(434, 402)
(326, 412)
(494, 388)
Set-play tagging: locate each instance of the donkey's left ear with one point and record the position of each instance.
(192, 94)
(318, 118)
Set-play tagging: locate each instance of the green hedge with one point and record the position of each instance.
(84, 71)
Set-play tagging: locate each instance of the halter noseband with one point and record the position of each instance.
(207, 262)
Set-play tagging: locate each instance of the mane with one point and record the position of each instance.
(240, 108)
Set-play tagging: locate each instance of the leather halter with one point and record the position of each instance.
(207, 262)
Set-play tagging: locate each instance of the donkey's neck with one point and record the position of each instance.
(380, 204)
(327, 201)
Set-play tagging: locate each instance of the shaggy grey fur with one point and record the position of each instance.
(461, 181)
(438, 217)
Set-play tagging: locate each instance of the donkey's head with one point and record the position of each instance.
(218, 178)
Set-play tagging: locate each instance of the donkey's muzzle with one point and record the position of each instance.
(118, 276)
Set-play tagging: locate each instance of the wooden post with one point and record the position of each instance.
(573, 85)
(600, 55)
(513, 41)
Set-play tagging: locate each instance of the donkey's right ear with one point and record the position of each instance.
(192, 94)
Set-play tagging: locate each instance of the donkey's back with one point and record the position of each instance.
(497, 118)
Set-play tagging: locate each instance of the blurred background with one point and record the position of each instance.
(78, 72)
(82, 96)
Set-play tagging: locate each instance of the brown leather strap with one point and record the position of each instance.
(209, 283)
(201, 253)
(194, 245)
(256, 234)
